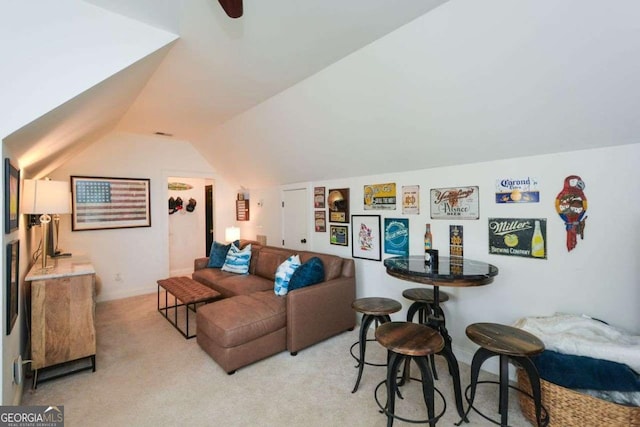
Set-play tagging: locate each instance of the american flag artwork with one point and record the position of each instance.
(110, 203)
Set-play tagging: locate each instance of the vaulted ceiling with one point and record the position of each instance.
(302, 90)
(218, 68)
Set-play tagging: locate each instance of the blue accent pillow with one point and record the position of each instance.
(237, 260)
(218, 254)
(284, 273)
(309, 273)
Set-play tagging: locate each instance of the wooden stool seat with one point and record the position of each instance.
(376, 306)
(406, 341)
(424, 295)
(409, 339)
(373, 309)
(504, 339)
(511, 345)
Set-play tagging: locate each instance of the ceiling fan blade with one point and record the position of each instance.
(233, 8)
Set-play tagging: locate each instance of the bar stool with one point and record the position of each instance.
(423, 305)
(373, 309)
(406, 341)
(511, 344)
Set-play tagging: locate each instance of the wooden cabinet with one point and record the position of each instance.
(62, 315)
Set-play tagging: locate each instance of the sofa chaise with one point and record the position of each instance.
(251, 322)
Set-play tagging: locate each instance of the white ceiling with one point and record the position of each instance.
(472, 82)
(221, 67)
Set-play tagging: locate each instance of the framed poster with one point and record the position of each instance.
(11, 196)
(102, 203)
(365, 235)
(339, 235)
(396, 236)
(11, 290)
(455, 203)
(338, 203)
(411, 200)
(318, 197)
(380, 196)
(321, 221)
(522, 237)
(242, 210)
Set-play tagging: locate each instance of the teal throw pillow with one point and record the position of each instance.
(283, 274)
(237, 260)
(309, 273)
(218, 254)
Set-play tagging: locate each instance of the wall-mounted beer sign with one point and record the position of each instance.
(455, 203)
(523, 237)
(517, 190)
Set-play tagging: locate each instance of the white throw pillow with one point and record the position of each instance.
(284, 273)
(237, 260)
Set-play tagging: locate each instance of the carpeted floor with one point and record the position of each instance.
(149, 375)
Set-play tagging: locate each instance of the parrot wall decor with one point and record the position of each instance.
(571, 205)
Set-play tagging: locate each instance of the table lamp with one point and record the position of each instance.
(44, 197)
(231, 234)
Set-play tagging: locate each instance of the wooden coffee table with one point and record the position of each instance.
(186, 293)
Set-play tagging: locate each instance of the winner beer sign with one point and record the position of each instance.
(455, 203)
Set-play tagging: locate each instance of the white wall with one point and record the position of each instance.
(139, 255)
(599, 277)
(13, 345)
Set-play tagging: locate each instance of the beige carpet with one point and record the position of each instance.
(149, 375)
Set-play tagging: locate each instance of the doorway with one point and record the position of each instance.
(190, 222)
(208, 204)
(294, 219)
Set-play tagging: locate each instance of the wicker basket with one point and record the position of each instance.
(568, 408)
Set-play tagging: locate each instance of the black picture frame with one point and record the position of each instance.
(12, 274)
(366, 237)
(339, 235)
(11, 197)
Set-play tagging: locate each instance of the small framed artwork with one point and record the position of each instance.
(339, 235)
(11, 292)
(321, 221)
(102, 203)
(11, 196)
(338, 201)
(365, 236)
(318, 198)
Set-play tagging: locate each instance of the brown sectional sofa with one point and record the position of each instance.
(251, 323)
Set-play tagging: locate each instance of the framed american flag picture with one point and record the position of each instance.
(101, 203)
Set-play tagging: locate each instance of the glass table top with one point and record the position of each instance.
(414, 268)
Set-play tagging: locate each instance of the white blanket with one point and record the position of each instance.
(584, 336)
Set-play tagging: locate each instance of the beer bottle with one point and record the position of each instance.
(537, 242)
(428, 244)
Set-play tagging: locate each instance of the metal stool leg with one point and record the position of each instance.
(534, 380)
(427, 388)
(394, 363)
(364, 327)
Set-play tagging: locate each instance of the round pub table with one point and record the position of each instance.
(454, 272)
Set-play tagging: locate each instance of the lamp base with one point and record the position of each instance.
(61, 255)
